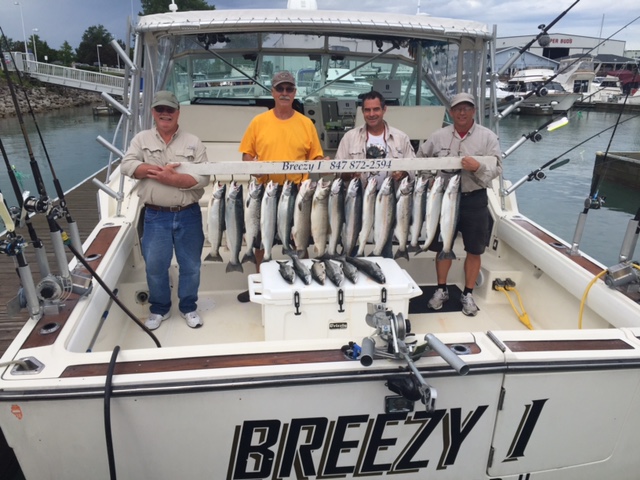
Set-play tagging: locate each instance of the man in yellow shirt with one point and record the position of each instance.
(280, 134)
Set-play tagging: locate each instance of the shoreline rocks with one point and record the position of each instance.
(45, 98)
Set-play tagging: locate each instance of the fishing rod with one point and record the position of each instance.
(72, 225)
(536, 174)
(53, 289)
(13, 246)
(541, 91)
(593, 201)
(544, 29)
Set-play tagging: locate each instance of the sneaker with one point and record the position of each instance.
(469, 307)
(193, 319)
(155, 319)
(244, 297)
(437, 300)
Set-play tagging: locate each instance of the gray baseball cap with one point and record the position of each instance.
(166, 98)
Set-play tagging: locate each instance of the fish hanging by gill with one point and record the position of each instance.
(369, 268)
(215, 220)
(352, 216)
(449, 217)
(252, 220)
(418, 209)
(432, 212)
(268, 218)
(301, 230)
(286, 205)
(368, 214)
(320, 216)
(234, 220)
(336, 215)
(384, 216)
(404, 203)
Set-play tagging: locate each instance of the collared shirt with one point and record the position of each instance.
(354, 146)
(479, 140)
(149, 147)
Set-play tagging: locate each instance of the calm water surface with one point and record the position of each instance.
(554, 203)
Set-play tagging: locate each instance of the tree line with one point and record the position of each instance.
(87, 51)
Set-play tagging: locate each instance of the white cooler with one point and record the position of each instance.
(299, 311)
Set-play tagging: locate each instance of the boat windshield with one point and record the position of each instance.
(238, 67)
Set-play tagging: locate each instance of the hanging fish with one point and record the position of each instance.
(449, 217)
(234, 220)
(352, 216)
(301, 230)
(252, 220)
(215, 222)
(432, 214)
(418, 209)
(268, 218)
(336, 215)
(404, 203)
(320, 216)
(286, 205)
(368, 214)
(384, 216)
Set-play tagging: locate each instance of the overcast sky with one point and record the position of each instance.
(60, 20)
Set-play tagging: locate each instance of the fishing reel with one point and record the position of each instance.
(36, 205)
(12, 246)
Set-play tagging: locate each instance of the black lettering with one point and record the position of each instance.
(525, 430)
(429, 422)
(315, 429)
(376, 443)
(255, 460)
(339, 444)
(454, 433)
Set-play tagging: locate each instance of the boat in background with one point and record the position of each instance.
(550, 96)
(345, 380)
(578, 75)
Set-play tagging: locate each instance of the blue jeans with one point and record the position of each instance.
(164, 232)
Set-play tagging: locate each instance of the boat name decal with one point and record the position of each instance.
(350, 445)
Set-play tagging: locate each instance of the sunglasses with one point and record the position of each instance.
(464, 109)
(281, 89)
(162, 109)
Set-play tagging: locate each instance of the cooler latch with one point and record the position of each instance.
(340, 300)
(296, 302)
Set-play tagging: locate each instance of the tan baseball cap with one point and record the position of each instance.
(463, 97)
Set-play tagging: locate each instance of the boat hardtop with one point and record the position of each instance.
(322, 380)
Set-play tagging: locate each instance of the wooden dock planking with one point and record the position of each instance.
(84, 211)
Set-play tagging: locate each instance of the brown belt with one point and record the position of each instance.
(176, 208)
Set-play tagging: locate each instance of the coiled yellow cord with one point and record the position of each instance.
(523, 317)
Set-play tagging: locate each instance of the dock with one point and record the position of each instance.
(621, 168)
(83, 208)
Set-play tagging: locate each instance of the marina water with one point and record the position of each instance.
(555, 202)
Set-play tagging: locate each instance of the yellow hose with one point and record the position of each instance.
(586, 292)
